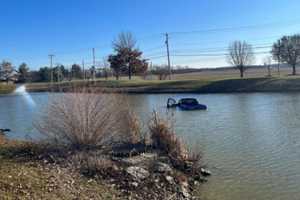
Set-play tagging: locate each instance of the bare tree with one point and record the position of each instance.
(125, 40)
(6, 71)
(268, 63)
(276, 52)
(240, 55)
(287, 49)
(105, 66)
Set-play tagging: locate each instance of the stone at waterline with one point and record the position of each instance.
(162, 167)
(138, 173)
(184, 190)
(170, 180)
(205, 172)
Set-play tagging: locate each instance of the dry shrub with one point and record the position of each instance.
(91, 163)
(134, 129)
(2, 138)
(165, 139)
(85, 119)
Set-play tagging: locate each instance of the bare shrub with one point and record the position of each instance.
(91, 163)
(165, 139)
(84, 119)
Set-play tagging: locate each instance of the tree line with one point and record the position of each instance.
(284, 50)
(127, 59)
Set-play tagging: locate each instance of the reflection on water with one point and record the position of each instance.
(251, 142)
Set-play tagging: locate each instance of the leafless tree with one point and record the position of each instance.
(6, 71)
(105, 67)
(268, 63)
(276, 52)
(125, 40)
(287, 49)
(240, 55)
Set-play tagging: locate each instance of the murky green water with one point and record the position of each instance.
(251, 142)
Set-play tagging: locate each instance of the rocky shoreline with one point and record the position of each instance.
(150, 174)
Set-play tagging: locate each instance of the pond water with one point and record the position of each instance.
(251, 142)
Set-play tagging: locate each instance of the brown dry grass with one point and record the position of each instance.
(82, 119)
(25, 175)
(164, 138)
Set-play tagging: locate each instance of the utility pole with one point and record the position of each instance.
(83, 70)
(51, 67)
(94, 64)
(151, 68)
(105, 68)
(168, 54)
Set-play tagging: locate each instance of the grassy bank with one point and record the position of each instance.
(209, 85)
(26, 178)
(6, 88)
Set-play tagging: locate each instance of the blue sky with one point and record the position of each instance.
(32, 29)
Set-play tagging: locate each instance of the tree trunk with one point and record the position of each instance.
(117, 76)
(242, 71)
(294, 69)
(129, 72)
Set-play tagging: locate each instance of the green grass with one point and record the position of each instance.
(208, 81)
(193, 86)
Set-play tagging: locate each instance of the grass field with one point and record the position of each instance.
(206, 81)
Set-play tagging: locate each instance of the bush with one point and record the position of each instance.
(165, 139)
(85, 120)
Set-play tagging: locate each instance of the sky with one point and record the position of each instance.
(199, 30)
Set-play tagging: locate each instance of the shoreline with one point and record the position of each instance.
(6, 88)
(247, 85)
(94, 173)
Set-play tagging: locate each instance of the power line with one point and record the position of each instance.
(293, 22)
(154, 48)
(213, 55)
(157, 57)
(221, 49)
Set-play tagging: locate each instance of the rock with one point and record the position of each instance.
(185, 192)
(170, 180)
(143, 159)
(134, 184)
(138, 173)
(162, 167)
(205, 172)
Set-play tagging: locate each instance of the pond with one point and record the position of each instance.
(251, 142)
